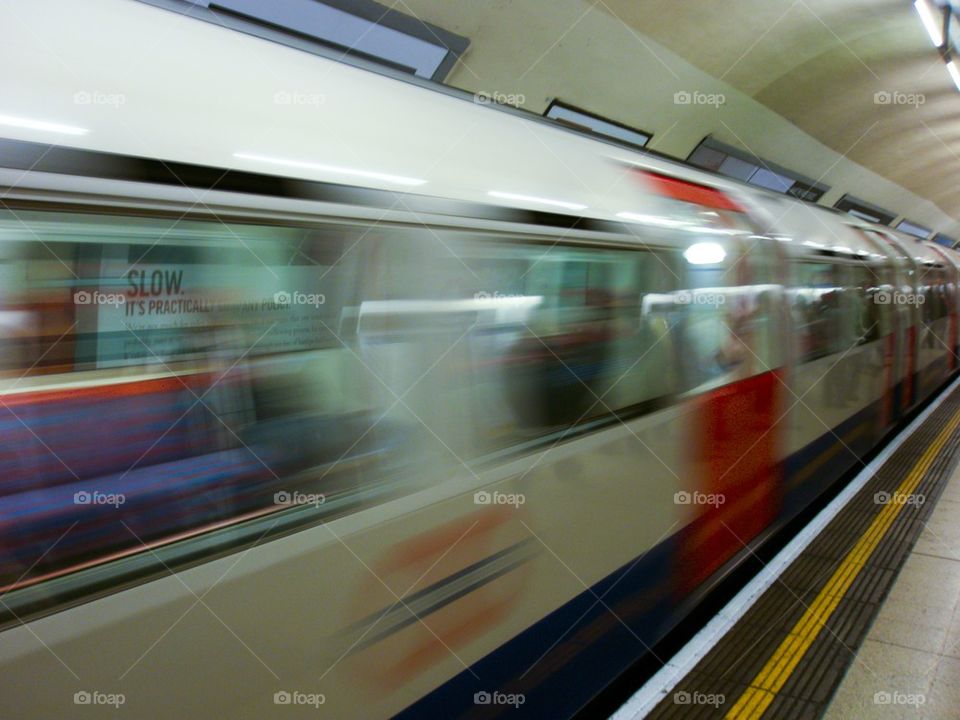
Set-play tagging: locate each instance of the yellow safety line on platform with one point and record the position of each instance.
(774, 675)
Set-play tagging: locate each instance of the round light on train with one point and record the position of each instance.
(706, 253)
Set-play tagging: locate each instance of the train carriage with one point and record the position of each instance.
(409, 403)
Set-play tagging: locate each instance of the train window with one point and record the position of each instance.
(552, 336)
(162, 377)
(834, 308)
(817, 309)
(227, 372)
(865, 311)
(935, 306)
(931, 292)
(147, 299)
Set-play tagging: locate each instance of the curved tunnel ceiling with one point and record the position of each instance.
(820, 64)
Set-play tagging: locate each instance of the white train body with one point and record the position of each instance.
(541, 392)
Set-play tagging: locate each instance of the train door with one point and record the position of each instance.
(736, 437)
(949, 289)
(905, 319)
(881, 295)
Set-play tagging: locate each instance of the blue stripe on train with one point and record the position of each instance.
(560, 662)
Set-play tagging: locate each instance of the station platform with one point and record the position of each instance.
(862, 617)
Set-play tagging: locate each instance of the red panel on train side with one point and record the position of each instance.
(952, 314)
(173, 383)
(952, 340)
(689, 192)
(737, 445)
(908, 391)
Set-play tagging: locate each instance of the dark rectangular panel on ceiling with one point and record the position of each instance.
(912, 228)
(589, 122)
(732, 162)
(864, 210)
(359, 30)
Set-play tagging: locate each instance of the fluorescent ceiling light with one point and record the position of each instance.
(42, 126)
(707, 253)
(954, 72)
(395, 179)
(931, 21)
(542, 201)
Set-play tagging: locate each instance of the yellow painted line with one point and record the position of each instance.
(772, 677)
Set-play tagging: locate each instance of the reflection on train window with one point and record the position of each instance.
(727, 326)
(228, 371)
(531, 339)
(865, 310)
(817, 309)
(161, 377)
(836, 307)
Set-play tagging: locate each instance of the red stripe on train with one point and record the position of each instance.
(107, 392)
(737, 459)
(689, 192)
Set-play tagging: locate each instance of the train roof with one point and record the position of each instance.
(146, 84)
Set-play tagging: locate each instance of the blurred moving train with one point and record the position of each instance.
(436, 410)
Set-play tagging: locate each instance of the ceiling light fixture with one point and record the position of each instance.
(932, 21)
(954, 72)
